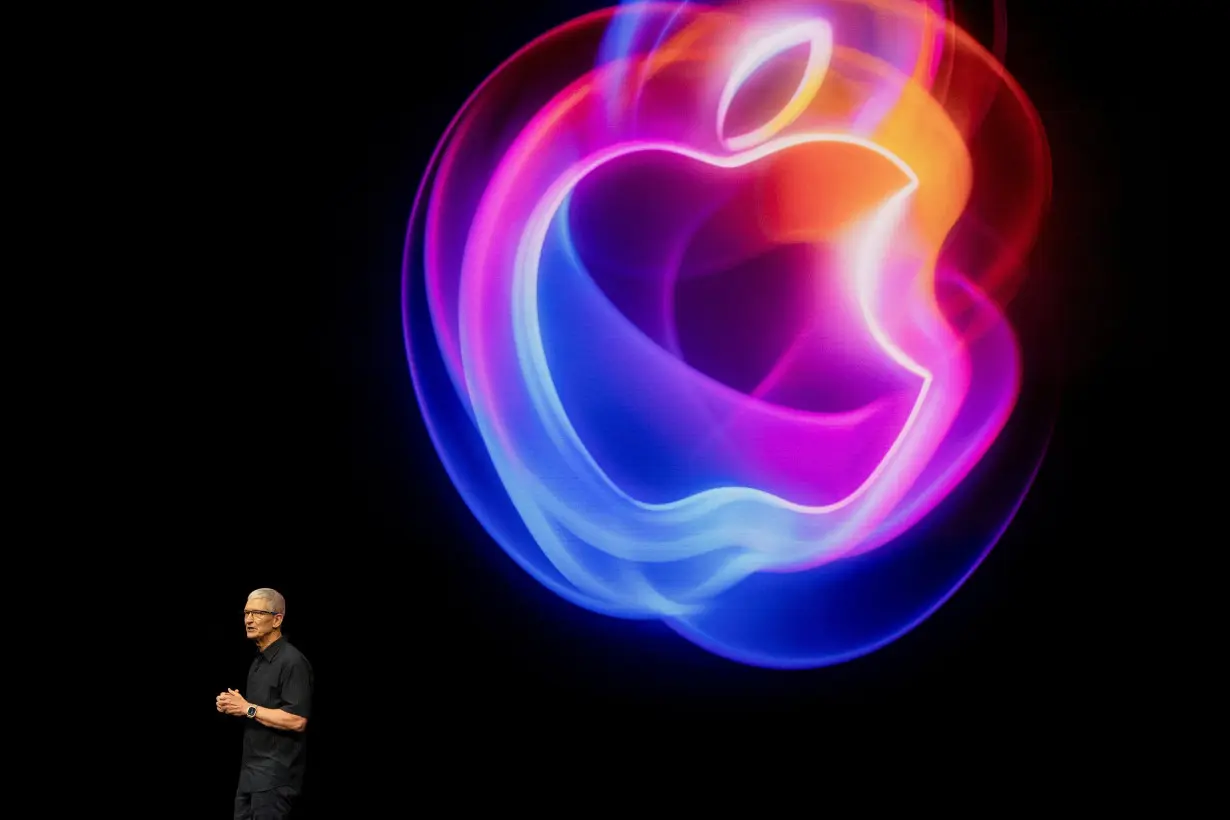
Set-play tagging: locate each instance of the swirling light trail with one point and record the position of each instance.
(543, 291)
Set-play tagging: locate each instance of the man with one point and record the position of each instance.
(276, 709)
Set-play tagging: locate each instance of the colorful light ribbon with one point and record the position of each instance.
(696, 322)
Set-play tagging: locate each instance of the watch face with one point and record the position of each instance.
(251, 711)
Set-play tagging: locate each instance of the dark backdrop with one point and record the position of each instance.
(434, 656)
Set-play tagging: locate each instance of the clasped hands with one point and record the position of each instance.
(231, 702)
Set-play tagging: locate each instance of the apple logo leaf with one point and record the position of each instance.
(817, 35)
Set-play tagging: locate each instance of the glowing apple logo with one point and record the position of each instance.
(726, 377)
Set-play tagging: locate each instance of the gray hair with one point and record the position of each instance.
(272, 596)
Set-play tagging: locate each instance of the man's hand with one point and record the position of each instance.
(231, 702)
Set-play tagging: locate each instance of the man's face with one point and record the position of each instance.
(257, 620)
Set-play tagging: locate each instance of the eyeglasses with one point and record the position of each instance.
(248, 612)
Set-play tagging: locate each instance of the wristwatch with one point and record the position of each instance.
(251, 711)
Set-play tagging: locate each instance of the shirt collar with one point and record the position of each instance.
(271, 651)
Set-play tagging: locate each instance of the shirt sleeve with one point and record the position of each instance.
(297, 690)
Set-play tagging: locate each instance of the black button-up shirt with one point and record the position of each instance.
(280, 678)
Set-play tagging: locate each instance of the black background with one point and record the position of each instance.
(315, 475)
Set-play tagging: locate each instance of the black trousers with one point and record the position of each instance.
(274, 804)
